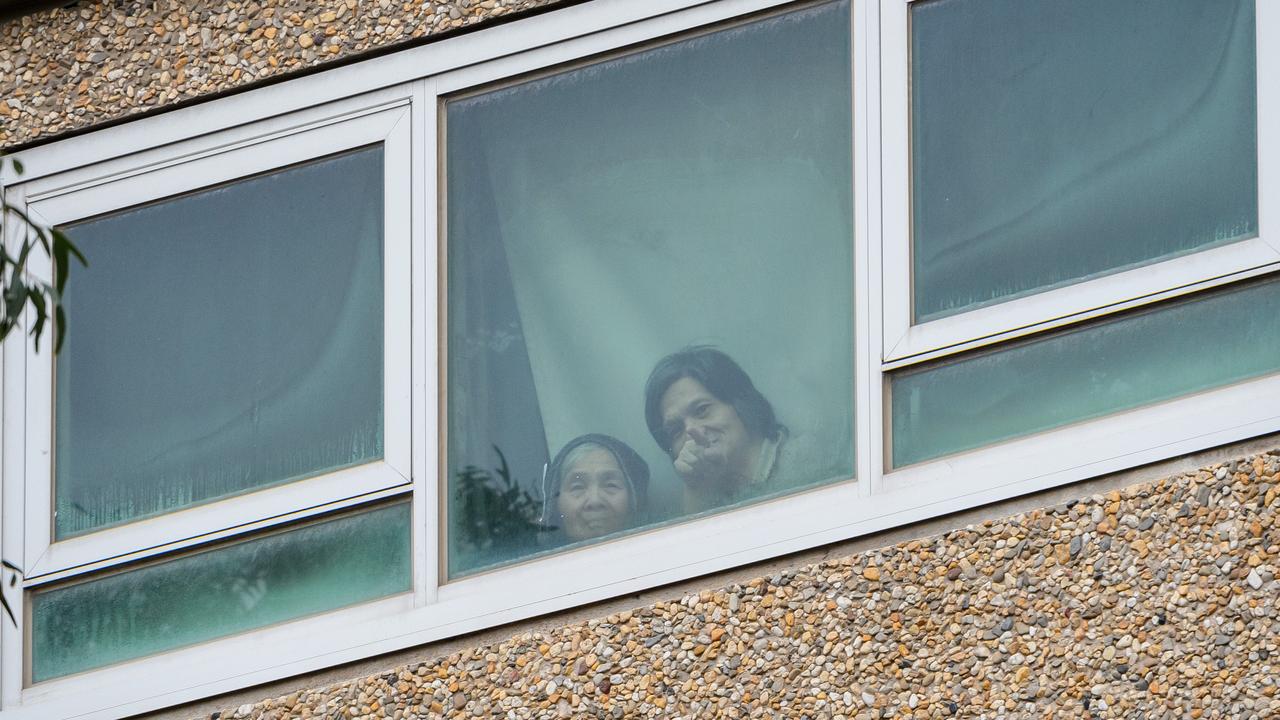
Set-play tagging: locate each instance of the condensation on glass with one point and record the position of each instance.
(694, 195)
(1123, 363)
(215, 593)
(1054, 142)
(225, 341)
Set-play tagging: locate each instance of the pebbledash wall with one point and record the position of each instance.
(94, 62)
(1157, 600)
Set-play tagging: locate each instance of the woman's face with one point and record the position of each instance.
(594, 498)
(711, 447)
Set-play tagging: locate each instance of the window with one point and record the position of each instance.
(1026, 144)
(228, 340)
(649, 257)
(195, 597)
(615, 296)
(1063, 158)
(1076, 200)
(1056, 379)
(222, 443)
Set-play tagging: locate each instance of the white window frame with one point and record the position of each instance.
(1086, 448)
(68, 197)
(382, 118)
(436, 609)
(907, 343)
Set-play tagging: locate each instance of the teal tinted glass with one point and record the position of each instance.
(1115, 365)
(697, 193)
(220, 592)
(222, 341)
(1053, 142)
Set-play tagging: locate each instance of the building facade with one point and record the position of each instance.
(732, 358)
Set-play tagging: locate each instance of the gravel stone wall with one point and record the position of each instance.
(70, 68)
(1156, 602)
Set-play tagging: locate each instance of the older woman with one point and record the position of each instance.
(595, 486)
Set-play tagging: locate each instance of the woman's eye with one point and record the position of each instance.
(702, 409)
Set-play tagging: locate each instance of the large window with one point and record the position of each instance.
(227, 340)
(650, 287)
(217, 447)
(612, 297)
(1125, 136)
(1078, 199)
(1056, 158)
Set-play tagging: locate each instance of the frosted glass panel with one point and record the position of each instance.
(1056, 141)
(220, 592)
(222, 341)
(602, 220)
(1112, 366)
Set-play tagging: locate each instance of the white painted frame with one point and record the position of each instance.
(65, 198)
(907, 343)
(434, 610)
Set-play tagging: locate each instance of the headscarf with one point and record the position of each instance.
(634, 470)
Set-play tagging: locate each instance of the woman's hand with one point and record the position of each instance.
(702, 460)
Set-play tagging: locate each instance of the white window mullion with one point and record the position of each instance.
(37, 371)
(182, 529)
(1268, 58)
(426, 359)
(399, 199)
(867, 217)
(894, 177)
(12, 502)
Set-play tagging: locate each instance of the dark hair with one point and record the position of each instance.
(722, 377)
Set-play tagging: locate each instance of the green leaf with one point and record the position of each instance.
(15, 296)
(36, 296)
(60, 238)
(60, 266)
(59, 327)
(17, 165)
(4, 602)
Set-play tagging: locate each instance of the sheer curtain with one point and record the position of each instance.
(1058, 141)
(223, 341)
(695, 193)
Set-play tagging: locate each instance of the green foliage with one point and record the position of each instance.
(20, 236)
(20, 289)
(496, 518)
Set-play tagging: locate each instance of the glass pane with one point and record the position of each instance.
(221, 342)
(1054, 142)
(602, 219)
(220, 592)
(1115, 365)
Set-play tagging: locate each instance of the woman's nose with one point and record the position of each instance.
(697, 432)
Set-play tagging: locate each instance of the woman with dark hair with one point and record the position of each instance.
(719, 430)
(596, 485)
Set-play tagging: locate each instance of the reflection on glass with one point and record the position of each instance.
(226, 340)
(1115, 365)
(602, 219)
(1054, 142)
(220, 592)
